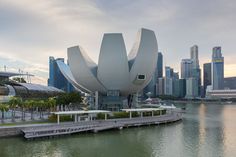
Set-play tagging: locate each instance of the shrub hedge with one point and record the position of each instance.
(63, 118)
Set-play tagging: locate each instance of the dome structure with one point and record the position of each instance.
(115, 70)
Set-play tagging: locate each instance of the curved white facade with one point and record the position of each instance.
(113, 68)
(115, 71)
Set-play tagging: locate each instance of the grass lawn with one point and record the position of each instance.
(24, 123)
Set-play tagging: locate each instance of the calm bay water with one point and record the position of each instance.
(207, 130)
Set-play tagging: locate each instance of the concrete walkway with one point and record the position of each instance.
(97, 125)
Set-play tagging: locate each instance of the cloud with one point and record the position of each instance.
(32, 30)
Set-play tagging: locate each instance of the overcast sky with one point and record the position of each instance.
(33, 30)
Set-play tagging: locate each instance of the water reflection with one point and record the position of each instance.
(229, 113)
(207, 130)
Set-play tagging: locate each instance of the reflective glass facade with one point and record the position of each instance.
(217, 66)
(56, 78)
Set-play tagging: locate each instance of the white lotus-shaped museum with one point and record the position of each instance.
(115, 70)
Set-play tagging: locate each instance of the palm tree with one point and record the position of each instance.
(21, 104)
(3, 108)
(51, 104)
(13, 103)
(40, 104)
(30, 105)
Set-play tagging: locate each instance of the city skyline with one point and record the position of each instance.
(47, 28)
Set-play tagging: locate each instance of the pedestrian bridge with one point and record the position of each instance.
(97, 125)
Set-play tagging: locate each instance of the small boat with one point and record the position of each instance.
(229, 102)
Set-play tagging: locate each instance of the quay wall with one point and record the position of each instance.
(10, 131)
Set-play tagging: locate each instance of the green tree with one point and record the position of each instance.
(66, 99)
(3, 108)
(13, 104)
(21, 104)
(51, 102)
(19, 79)
(30, 105)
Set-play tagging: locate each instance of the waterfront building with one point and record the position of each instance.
(10, 88)
(179, 88)
(220, 94)
(206, 76)
(168, 80)
(230, 83)
(168, 86)
(161, 86)
(116, 75)
(217, 66)
(196, 71)
(182, 87)
(159, 71)
(56, 78)
(192, 88)
(190, 68)
(176, 88)
(186, 68)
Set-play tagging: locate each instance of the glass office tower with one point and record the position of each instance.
(206, 76)
(56, 78)
(217, 69)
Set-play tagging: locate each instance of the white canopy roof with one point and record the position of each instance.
(38, 87)
(80, 112)
(141, 109)
(168, 107)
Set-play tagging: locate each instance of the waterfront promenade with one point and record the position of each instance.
(97, 125)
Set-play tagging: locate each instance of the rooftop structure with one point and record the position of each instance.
(11, 74)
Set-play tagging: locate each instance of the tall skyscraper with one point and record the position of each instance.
(192, 88)
(179, 88)
(161, 86)
(190, 70)
(160, 65)
(194, 56)
(159, 73)
(168, 86)
(206, 76)
(169, 72)
(217, 66)
(186, 68)
(56, 78)
(196, 71)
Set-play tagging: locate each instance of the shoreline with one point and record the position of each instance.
(32, 131)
